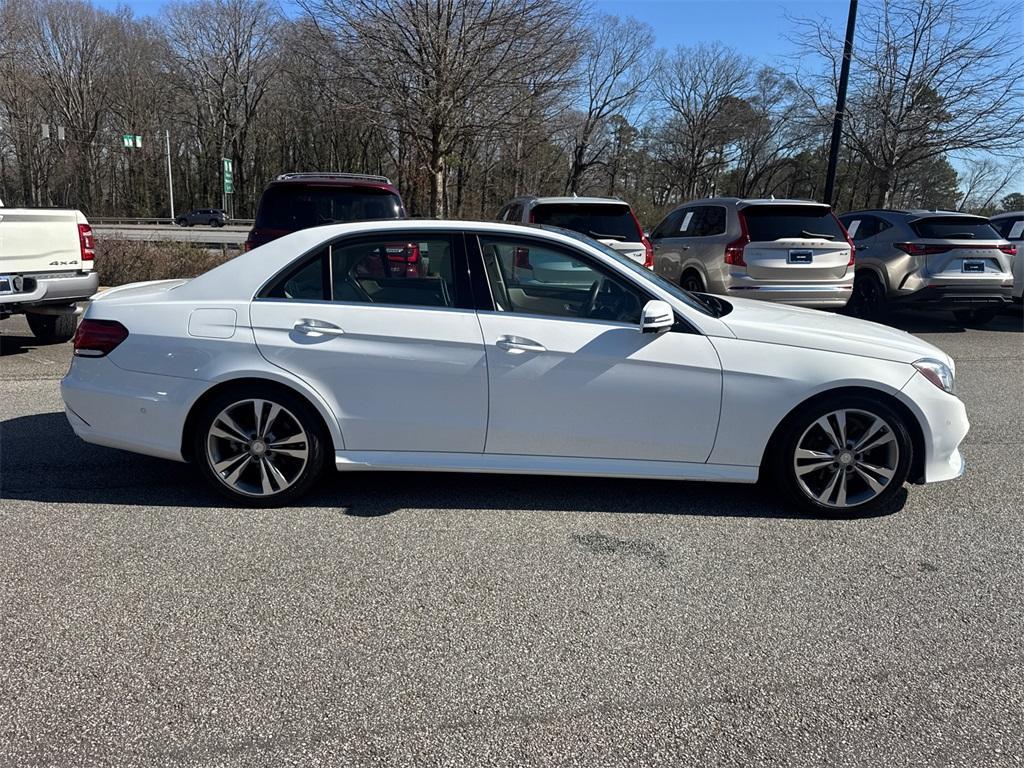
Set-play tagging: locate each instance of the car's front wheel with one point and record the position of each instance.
(258, 447)
(842, 456)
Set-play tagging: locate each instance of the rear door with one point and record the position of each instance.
(794, 242)
(383, 326)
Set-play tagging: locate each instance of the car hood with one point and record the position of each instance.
(771, 323)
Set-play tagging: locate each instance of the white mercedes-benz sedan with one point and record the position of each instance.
(433, 346)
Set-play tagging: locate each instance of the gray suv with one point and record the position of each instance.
(930, 260)
(789, 251)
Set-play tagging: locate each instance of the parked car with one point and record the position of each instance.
(46, 266)
(787, 251)
(303, 354)
(295, 201)
(213, 217)
(1010, 226)
(929, 260)
(608, 220)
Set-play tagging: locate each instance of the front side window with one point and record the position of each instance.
(537, 279)
(669, 226)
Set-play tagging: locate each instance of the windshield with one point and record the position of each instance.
(293, 207)
(671, 288)
(955, 228)
(612, 221)
(788, 222)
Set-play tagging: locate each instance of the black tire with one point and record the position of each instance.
(215, 223)
(294, 408)
(53, 329)
(975, 317)
(868, 299)
(691, 281)
(780, 465)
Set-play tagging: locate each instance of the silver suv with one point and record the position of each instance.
(931, 260)
(790, 251)
(1011, 226)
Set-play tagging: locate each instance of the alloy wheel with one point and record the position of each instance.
(257, 447)
(846, 458)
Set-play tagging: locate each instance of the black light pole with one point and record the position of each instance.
(837, 123)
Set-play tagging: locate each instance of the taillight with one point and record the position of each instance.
(853, 248)
(648, 248)
(521, 258)
(916, 249)
(403, 258)
(734, 250)
(96, 338)
(86, 242)
(1009, 249)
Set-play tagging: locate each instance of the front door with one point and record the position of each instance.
(570, 373)
(383, 328)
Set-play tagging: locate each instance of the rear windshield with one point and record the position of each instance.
(294, 207)
(601, 222)
(784, 222)
(955, 228)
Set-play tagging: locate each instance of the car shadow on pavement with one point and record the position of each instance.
(16, 345)
(1009, 320)
(41, 459)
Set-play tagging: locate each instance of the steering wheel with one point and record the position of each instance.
(590, 304)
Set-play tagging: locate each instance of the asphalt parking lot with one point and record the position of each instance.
(458, 620)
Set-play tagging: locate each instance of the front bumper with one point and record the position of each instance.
(944, 425)
(52, 290)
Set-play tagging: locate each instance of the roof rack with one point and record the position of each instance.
(328, 175)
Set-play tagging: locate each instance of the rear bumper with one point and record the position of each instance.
(955, 297)
(827, 295)
(52, 290)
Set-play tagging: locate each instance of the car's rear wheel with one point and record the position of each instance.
(843, 456)
(976, 316)
(868, 299)
(53, 329)
(259, 448)
(691, 281)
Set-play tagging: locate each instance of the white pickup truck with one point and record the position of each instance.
(46, 266)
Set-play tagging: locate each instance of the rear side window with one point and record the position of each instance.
(784, 222)
(601, 222)
(293, 207)
(954, 228)
(710, 220)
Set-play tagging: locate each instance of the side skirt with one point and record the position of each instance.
(419, 461)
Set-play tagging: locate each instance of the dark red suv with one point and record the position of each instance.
(295, 201)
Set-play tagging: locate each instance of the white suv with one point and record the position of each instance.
(608, 220)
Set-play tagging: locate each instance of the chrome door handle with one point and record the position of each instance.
(516, 344)
(318, 327)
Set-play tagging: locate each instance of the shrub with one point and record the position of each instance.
(132, 261)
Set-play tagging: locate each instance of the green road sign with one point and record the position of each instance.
(128, 139)
(229, 176)
(132, 140)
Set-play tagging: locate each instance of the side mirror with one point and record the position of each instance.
(656, 317)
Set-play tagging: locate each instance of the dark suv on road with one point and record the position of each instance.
(295, 201)
(213, 217)
(929, 260)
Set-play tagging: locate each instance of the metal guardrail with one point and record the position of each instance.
(152, 221)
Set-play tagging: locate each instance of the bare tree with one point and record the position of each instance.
(616, 64)
(984, 182)
(444, 71)
(928, 78)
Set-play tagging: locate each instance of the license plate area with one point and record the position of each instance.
(800, 257)
(973, 265)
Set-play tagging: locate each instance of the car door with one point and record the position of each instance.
(570, 374)
(383, 326)
(670, 243)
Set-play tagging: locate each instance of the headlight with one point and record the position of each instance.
(938, 373)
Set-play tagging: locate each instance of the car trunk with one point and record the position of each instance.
(960, 245)
(794, 242)
(39, 240)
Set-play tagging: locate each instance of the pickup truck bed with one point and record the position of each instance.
(46, 266)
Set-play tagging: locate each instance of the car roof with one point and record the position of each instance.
(745, 202)
(1007, 214)
(915, 214)
(334, 180)
(570, 200)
